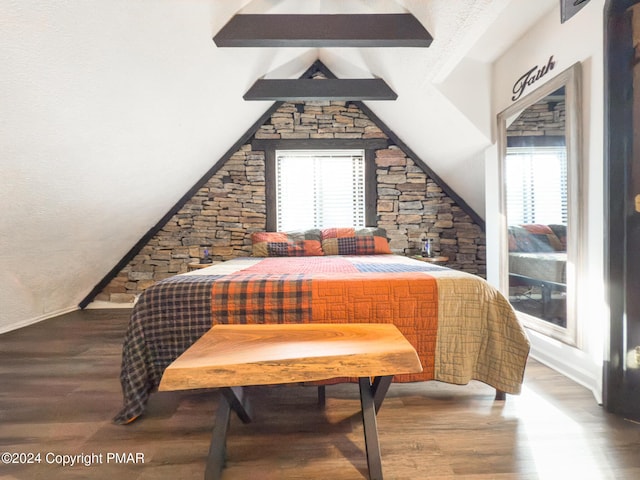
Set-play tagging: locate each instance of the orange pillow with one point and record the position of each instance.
(298, 243)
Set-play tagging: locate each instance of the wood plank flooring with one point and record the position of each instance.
(59, 389)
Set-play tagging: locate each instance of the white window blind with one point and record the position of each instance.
(537, 179)
(320, 188)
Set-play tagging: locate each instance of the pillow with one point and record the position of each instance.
(544, 237)
(349, 241)
(520, 240)
(532, 238)
(561, 233)
(299, 243)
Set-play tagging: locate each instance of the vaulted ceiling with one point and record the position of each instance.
(108, 110)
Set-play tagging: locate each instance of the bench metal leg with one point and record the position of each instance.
(218, 447)
(238, 402)
(370, 395)
(380, 388)
(322, 396)
(371, 398)
(231, 399)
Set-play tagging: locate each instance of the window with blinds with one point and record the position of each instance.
(537, 179)
(320, 188)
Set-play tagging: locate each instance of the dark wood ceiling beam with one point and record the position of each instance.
(323, 30)
(325, 89)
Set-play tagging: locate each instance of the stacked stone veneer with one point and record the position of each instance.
(545, 118)
(231, 205)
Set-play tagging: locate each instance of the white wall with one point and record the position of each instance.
(108, 108)
(105, 106)
(578, 40)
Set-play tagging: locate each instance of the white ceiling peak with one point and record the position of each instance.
(310, 7)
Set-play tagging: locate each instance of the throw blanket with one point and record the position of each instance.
(461, 327)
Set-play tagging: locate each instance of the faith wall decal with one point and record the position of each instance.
(531, 77)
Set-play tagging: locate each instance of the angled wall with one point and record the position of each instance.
(231, 204)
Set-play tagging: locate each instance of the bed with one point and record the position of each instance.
(462, 328)
(538, 252)
(538, 268)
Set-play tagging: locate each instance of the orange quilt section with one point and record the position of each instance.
(407, 300)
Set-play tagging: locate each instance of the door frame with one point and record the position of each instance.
(622, 217)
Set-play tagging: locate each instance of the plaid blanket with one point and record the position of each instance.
(167, 319)
(262, 298)
(461, 327)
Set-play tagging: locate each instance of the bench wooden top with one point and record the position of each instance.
(269, 354)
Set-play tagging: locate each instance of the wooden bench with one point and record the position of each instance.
(233, 356)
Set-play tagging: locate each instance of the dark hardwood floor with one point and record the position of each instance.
(59, 389)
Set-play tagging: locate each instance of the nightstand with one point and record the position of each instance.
(436, 259)
(197, 265)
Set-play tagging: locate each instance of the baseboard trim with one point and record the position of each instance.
(567, 361)
(34, 320)
(98, 304)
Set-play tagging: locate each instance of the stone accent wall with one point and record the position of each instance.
(325, 119)
(545, 118)
(231, 205)
(412, 207)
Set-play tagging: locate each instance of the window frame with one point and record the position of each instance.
(269, 147)
(318, 166)
(530, 213)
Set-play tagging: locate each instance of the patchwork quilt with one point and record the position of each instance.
(461, 327)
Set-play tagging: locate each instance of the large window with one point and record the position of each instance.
(537, 179)
(320, 188)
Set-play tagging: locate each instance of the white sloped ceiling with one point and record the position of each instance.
(112, 110)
